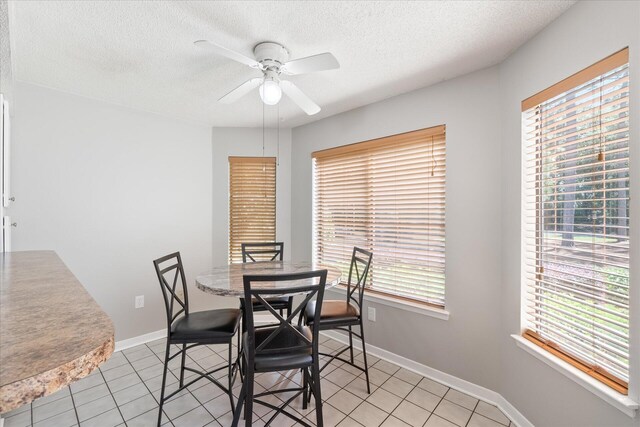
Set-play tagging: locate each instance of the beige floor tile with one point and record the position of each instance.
(433, 387)
(452, 412)
(376, 376)
(345, 401)
(397, 387)
(333, 344)
(424, 399)
(350, 368)
(492, 412)
(328, 389)
(411, 414)
(478, 420)
(461, 399)
(368, 415)
(196, 418)
(349, 422)
(436, 421)
(340, 377)
(384, 400)
(394, 422)
(388, 367)
(269, 379)
(331, 416)
(359, 387)
(408, 376)
(218, 406)
(371, 360)
(264, 411)
(282, 421)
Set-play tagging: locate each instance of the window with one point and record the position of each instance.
(576, 220)
(387, 196)
(252, 202)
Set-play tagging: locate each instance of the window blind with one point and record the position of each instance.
(576, 220)
(252, 202)
(386, 196)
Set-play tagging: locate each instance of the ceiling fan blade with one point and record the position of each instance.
(241, 90)
(299, 98)
(217, 49)
(310, 64)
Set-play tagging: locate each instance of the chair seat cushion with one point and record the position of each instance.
(283, 354)
(206, 325)
(334, 313)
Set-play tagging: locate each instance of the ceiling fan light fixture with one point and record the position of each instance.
(270, 92)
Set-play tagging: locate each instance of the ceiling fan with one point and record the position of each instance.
(273, 60)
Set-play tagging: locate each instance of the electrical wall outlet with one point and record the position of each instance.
(140, 301)
(371, 314)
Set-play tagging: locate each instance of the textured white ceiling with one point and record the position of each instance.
(141, 54)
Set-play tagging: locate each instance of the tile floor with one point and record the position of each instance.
(125, 392)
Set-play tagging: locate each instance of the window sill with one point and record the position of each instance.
(612, 397)
(425, 310)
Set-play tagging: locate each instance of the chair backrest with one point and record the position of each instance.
(262, 251)
(170, 271)
(358, 272)
(310, 283)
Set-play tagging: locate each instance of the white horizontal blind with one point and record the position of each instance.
(252, 202)
(386, 196)
(577, 224)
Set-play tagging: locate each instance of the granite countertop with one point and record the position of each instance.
(52, 332)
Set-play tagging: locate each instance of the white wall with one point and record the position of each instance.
(248, 142)
(586, 33)
(110, 189)
(466, 344)
(482, 114)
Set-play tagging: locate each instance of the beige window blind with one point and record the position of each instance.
(252, 202)
(576, 220)
(386, 196)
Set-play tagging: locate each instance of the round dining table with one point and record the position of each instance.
(227, 280)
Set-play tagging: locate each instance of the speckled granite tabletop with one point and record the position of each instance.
(52, 332)
(226, 280)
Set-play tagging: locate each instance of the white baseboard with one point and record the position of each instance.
(467, 387)
(141, 339)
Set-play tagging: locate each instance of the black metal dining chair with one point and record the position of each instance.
(191, 329)
(283, 346)
(266, 251)
(344, 315)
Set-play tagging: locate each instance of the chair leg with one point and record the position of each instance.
(230, 373)
(305, 386)
(238, 410)
(248, 399)
(164, 381)
(351, 344)
(290, 307)
(364, 355)
(240, 334)
(316, 391)
(184, 356)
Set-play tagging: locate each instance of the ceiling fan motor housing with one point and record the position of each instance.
(271, 55)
